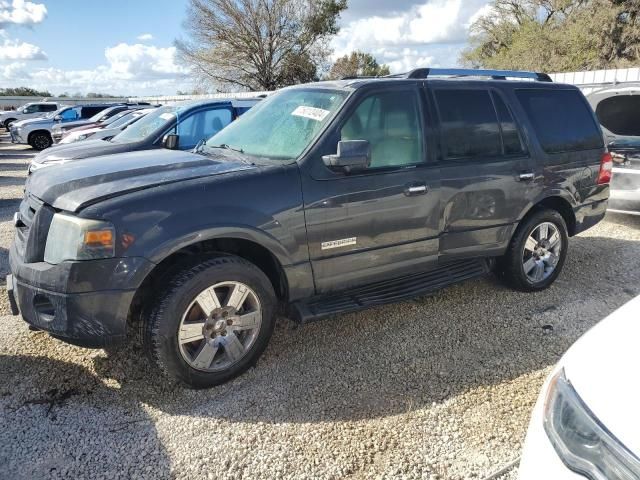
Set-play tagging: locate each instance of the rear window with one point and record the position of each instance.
(620, 114)
(562, 119)
(48, 107)
(468, 124)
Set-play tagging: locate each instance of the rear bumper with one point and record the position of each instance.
(590, 214)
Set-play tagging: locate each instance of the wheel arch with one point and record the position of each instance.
(42, 130)
(558, 202)
(185, 254)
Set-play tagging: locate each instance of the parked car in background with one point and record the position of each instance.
(29, 110)
(323, 199)
(618, 110)
(37, 132)
(586, 422)
(191, 121)
(60, 130)
(107, 130)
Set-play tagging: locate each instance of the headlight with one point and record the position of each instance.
(581, 441)
(73, 238)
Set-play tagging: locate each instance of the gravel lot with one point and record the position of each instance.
(436, 388)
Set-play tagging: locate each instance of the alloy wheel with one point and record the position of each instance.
(542, 252)
(220, 326)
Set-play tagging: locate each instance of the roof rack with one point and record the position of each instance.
(468, 72)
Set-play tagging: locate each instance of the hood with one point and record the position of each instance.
(75, 151)
(32, 121)
(75, 185)
(602, 366)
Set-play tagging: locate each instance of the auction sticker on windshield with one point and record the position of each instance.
(317, 114)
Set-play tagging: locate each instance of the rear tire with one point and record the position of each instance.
(40, 140)
(8, 122)
(212, 322)
(537, 252)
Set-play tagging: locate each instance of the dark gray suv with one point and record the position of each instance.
(324, 198)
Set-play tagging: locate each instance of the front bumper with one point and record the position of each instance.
(16, 137)
(84, 303)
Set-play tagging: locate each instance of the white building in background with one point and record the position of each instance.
(598, 79)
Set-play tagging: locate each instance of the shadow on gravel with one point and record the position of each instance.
(55, 425)
(8, 181)
(393, 359)
(14, 167)
(8, 206)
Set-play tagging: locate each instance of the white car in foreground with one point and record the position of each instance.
(586, 423)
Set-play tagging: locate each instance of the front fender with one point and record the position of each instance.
(244, 232)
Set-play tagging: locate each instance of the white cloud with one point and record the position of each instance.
(17, 50)
(145, 37)
(429, 33)
(129, 70)
(20, 12)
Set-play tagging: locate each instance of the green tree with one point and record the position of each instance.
(357, 64)
(259, 44)
(24, 92)
(556, 35)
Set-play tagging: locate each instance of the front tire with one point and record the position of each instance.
(40, 140)
(212, 322)
(8, 122)
(537, 252)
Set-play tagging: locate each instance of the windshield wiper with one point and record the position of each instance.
(227, 147)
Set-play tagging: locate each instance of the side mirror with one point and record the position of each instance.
(57, 118)
(171, 141)
(353, 155)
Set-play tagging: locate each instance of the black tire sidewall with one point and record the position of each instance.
(8, 122)
(535, 220)
(162, 331)
(32, 141)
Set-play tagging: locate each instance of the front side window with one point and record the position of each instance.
(561, 118)
(69, 114)
(620, 114)
(30, 109)
(202, 125)
(282, 126)
(390, 122)
(468, 122)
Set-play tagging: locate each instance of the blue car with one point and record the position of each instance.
(181, 126)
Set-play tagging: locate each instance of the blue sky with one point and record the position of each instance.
(126, 47)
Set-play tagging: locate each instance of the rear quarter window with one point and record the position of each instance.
(561, 118)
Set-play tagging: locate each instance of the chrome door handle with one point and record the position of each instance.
(526, 177)
(415, 190)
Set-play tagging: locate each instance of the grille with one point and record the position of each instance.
(32, 227)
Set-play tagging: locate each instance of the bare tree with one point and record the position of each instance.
(259, 44)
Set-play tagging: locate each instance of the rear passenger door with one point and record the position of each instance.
(486, 172)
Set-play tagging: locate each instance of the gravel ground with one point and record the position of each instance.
(436, 388)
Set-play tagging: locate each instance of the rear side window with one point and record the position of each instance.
(620, 114)
(88, 112)
(562, 119)
(48, 107)
(468, 123)
(511, 141)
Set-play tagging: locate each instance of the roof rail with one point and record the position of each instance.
(468, 72)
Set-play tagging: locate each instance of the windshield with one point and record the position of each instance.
(283, 125)
(147, 125)
(102, 114)
(113, 119)
(120, 119)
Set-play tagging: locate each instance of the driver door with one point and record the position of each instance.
(381, 222)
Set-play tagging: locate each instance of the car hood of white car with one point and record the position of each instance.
(603, 368)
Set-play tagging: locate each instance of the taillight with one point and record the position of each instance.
(606, 169)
